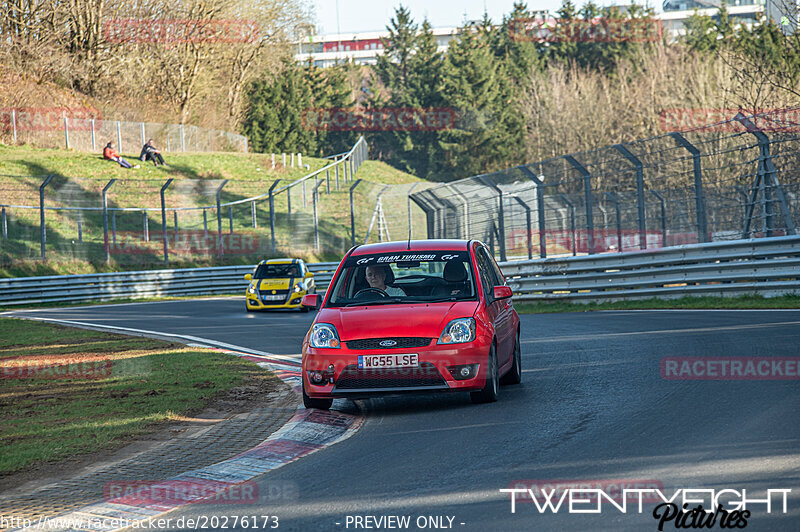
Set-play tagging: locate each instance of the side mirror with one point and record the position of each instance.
(248, 277)
(502, 292)
(310, 300)
(309, 275)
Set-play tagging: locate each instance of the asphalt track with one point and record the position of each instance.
(593, 405)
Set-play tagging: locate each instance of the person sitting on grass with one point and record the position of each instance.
(111, 155)
(150, 153)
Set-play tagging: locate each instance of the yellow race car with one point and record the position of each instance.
(279, 283)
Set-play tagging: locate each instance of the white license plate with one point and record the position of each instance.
(273, 298)
(388, 361)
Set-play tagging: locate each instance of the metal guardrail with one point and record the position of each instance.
(139, 284)
(766, 266)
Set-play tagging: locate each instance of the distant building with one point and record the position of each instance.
(363, 48)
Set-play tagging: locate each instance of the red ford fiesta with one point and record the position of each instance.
(419, 316)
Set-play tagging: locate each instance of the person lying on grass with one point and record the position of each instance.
(111, 155)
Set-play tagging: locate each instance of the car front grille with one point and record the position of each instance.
(401, 343)
(353, 378)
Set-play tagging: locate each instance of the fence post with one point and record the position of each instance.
(284, 160)
(143, 137)
(699, 196)
(640, 212)
(353, 214)
(663, 217)
(539, 182)
(328, 180)
(300, 160)
(292, 159)
(5, 223)
(314, 197)
(230, 219)
(288, 205)
(336, 168)
(105, 219)
(183, 138)
(273, 160)
(114, 228)
(408, 207)
(572, 222)
(614, 200)
(42, 230)
(587, 192)
(205, 223)
(164, 219)
(344, 169)
(304, 193)
(14, 123)
(175, 223)
(272, 213)
(94, 139)
(220, 251)
(253, 212)
(352, 173)
(766, 178)
(80, 227)
(119, 137)
(527, 224)
(467, 223)
(500, 220)
(66, 129)
(146, 226)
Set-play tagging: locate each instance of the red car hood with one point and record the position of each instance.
(382, 321)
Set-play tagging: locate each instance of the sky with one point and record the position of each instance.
(374, 15)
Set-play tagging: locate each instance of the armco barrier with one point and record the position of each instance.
(766, 266)
(141, 284)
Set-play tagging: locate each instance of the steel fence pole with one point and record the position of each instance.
(80, 227)
(640, 211)
(353, 214)
(663, 217)
(501, 216)
(408, 207)
(572, 222)
(66, 131)
(105, 219)
(42, 229)
(94, 145)
(114, 228)
(539, 182)
(14, 124)
(164, 219)
(220, 251)
(253, 214)
(328, 180)
(119, 137)
(314, 198)
(699, 196)
(230, 219)
(587, 192)
(146, 226)
(175, 224)
(5, 223)
(614, 200)
(336, 168)
(205, 223)
(272, 213)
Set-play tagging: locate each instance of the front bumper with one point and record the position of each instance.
(432, 374)
(292, 302)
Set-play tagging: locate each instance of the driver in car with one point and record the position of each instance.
(376, 277)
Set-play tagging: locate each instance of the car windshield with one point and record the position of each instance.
(273, 271)
(404, 277)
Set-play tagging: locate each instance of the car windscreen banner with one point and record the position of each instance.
(406, 257)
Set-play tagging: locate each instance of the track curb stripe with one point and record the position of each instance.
(306, 432)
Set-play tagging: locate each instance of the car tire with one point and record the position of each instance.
(304, 309)
(490, 390)
(514, 375)
(309, 402)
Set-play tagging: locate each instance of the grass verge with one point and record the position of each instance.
(688, 303)
(65, 392)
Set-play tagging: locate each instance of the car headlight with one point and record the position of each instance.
(458, 331)
(251, 289)
(324, 335)
(299, 287)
